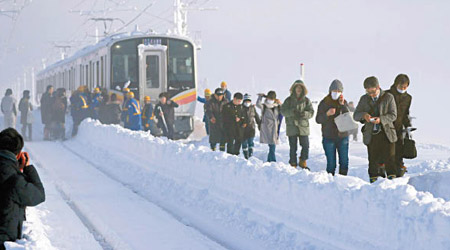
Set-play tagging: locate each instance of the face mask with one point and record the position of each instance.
(270, 102)
(401, 91)
(247, 104)
(335, 95)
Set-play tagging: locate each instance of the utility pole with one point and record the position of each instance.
(63, 49)
(180, 17)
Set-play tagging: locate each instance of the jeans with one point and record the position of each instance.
(341, 146)
(247, 147)
(271, 157)
(248, 144)
(304, 142)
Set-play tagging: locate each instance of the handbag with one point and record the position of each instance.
(345, 122)
(409, 147)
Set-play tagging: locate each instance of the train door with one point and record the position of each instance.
(152, 71)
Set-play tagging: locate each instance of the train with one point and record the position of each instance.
(147, 64)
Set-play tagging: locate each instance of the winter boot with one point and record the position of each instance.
(402, 171)
(391, 177)
(250, 152)
(303, 164)
(373, 179)
(294, 165)
(343, 171)
(246, 154)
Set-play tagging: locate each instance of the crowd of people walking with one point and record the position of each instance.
(231, 122)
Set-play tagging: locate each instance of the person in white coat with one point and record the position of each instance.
(9, 110)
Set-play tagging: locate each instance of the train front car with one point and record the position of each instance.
(152, 65)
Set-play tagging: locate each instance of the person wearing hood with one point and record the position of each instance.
(250, 130)
(298, 109)
(331, 107)
(403, 102)
(26, 115)
(271, 119)
(377, 111)
(214, 108)
(20, 185)
(9, 111)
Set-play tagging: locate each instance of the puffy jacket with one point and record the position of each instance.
(298, 111)
(17, 191)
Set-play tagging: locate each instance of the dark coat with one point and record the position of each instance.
(234, 130)
(168, 110)
(24, 108)
(387, 113)
(329, 128)
(214, 110)
(17, 191)
(403, 102)
(59, 109)
(46, 108)
(110, 113)
(253, 121)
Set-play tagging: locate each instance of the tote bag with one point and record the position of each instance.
(345, 122)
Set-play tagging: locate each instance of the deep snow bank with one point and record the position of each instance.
(435, 182)
(272, 204)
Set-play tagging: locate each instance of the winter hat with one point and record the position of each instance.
(238, 96)
(247, 97)
(271, 95)
(218, 91)
(11, 141)
(371, 82)
(336, 85)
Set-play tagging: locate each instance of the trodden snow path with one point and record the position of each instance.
(118, 216)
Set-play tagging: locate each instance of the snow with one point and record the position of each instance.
(125, 190)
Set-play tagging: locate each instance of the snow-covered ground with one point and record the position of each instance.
(112, 188)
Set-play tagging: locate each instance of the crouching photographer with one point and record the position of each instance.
(20, 186)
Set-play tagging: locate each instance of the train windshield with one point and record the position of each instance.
(180, 63)
(180, 68)
(124, 60)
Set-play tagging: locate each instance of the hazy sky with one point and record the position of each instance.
(258, 45)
